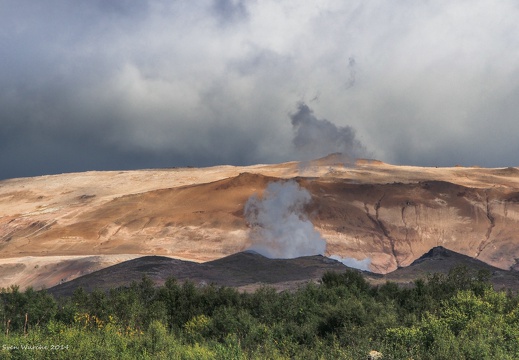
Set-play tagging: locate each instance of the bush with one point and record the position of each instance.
(455, 316)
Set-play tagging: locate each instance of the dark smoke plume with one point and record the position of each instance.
(351, 67)
(315, 138)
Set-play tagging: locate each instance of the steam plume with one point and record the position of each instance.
(279, 228)
(316, 138)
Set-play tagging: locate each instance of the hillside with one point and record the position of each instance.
(440, 260)
(248, 271)
(245, 270)
(56, 228)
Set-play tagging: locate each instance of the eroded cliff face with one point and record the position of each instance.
(389, 214)
(396, 223)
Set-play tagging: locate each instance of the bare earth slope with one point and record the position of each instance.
(56, 228)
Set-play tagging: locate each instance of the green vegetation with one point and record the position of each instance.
(454, 316)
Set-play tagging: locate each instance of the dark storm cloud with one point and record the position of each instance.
(127, 84)
(122, 7)
(230, 10)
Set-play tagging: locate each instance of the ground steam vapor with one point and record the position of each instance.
(315, 137)
(279, 227)
(353, 263)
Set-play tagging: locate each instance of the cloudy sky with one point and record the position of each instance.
(124, 84)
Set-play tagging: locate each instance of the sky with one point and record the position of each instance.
(109, 85)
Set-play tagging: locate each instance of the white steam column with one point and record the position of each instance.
(279, 227)
(281, 230)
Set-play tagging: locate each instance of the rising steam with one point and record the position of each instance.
(316, 138)
(279, 227)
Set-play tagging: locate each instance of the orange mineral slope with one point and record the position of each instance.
(55, 228)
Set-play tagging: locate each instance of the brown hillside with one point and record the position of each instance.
(60, 227)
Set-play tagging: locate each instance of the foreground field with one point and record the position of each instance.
(454, 316)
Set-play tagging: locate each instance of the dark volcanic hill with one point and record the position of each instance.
(245, 270)
(442, 260)
(248, 270)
